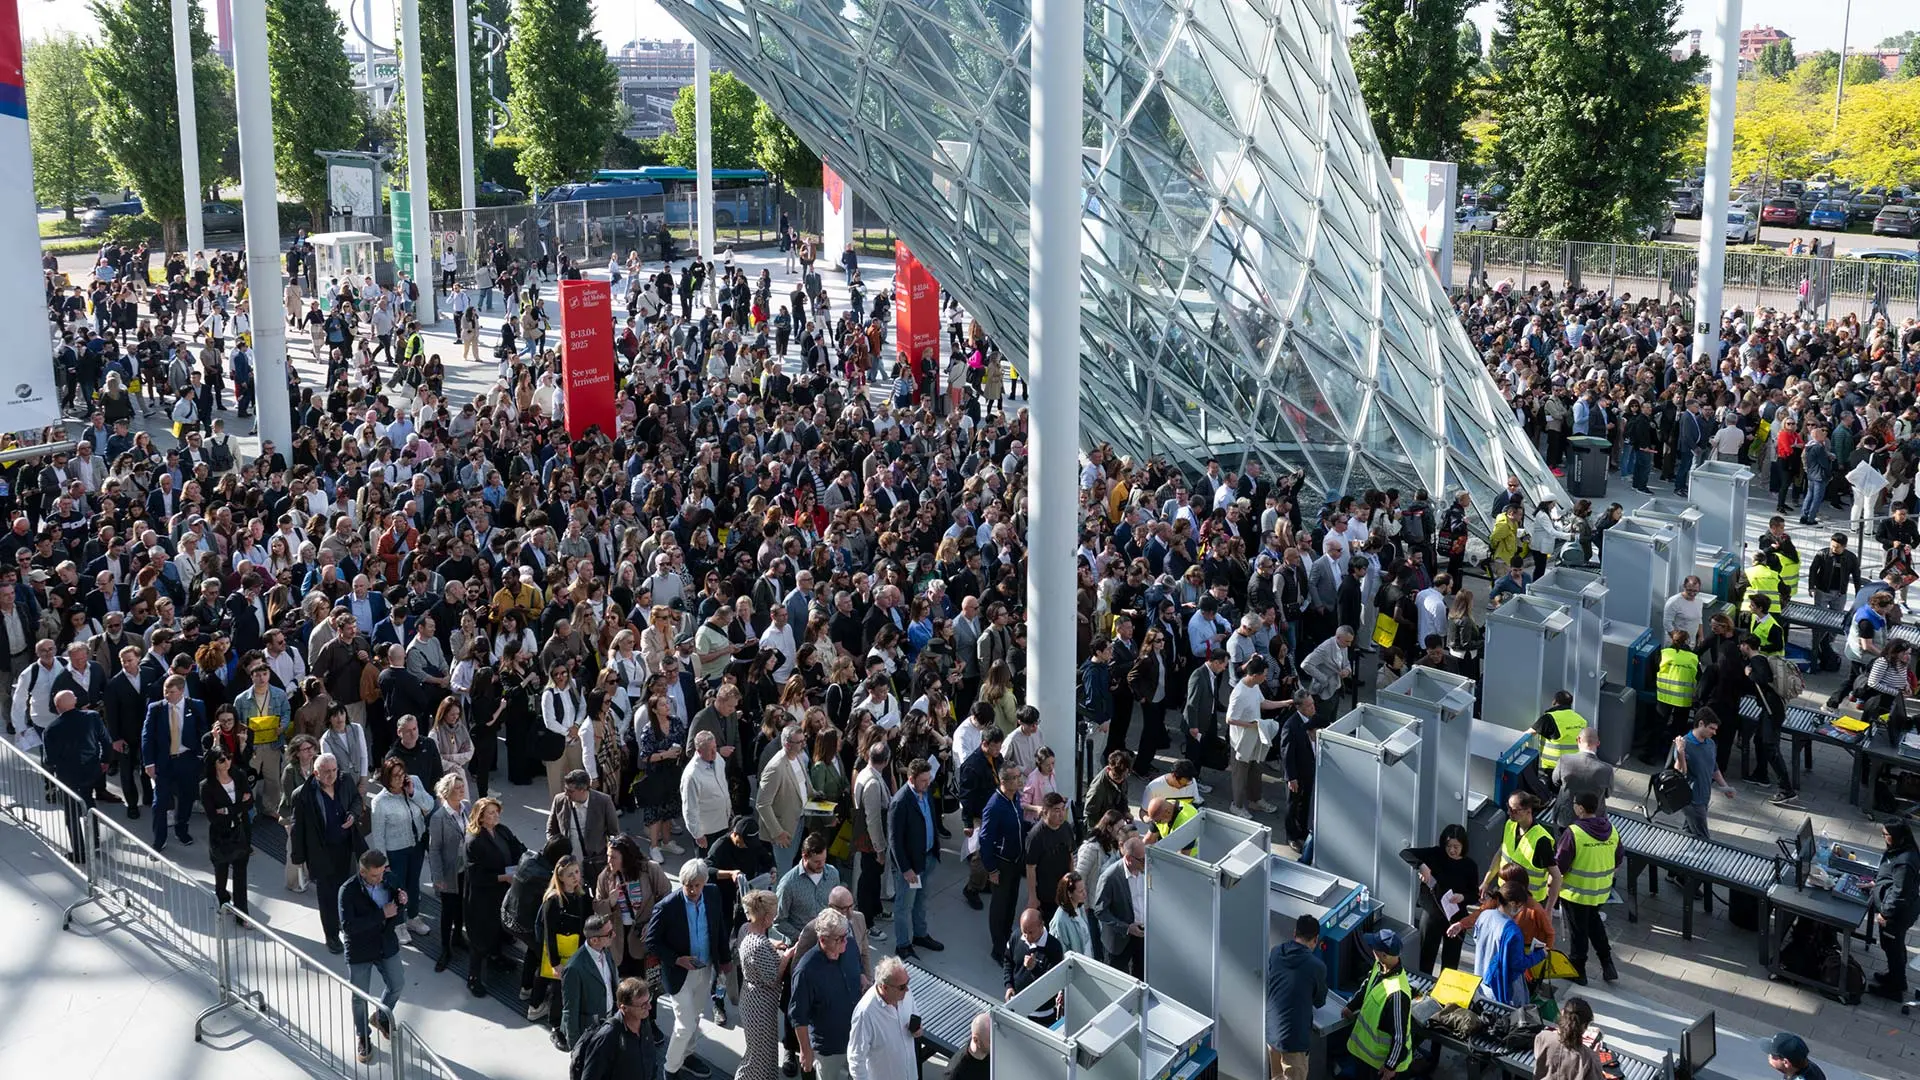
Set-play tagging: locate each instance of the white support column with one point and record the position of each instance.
(189, 126)
(1053, 371)
(1717, 196)
(260, 215)
(703, 139)
(463, 91)
(423, 269)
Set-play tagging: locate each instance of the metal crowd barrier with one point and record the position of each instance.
(266, 976)
(1693, 860)
(252, 968)
(946, 1009)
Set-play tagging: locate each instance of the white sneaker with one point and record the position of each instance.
(401, 933)
(418, 925)
(1205, 789)
(1265, 807)
(673, 847)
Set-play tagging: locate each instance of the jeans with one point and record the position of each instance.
(866, 887)
(404, 863)
(1642, 468)
(1816, 494)
(910, 907)
(783, 856)
(392, 976)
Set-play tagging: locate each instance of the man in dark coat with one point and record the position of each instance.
(74, 748)
(124, 709)
(325, 839)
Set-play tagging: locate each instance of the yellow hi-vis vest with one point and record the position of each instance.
(1789, 575)
(1183, 812)
(1569, 725)
(1513, 851)
(1763, 628)
(1677, 678)
(1765, 581)
(1367, 1041)
(1591, 878)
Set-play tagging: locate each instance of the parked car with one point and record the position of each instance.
(1864, 206)
(219, 217)
(1659, 226)
(1829, 214)
(1894, 221)
(1742, 227)
(1894, 255)
(1781, 210)
(1685, 201)
(488, 187)
(95, 221)
(1474, 219)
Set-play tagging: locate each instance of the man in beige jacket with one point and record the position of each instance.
(782, 801)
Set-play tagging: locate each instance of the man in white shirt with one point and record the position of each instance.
(284, 662)
(1251, 733)
(778, 636)
(880, 1045)
(1432, 602)
(1686, 610)
(32, 705)
(705, 803)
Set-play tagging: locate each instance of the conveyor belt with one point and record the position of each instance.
(1720, 863)
(1520, 1062)
(1801, 613)
(946, 1009)
(1806, 722)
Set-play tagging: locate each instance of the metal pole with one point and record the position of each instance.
(1840, 84)
(1053, 364)
(260, 214)
(1717, 197)
(465, 112)
(189, 127)
(422, 268)
(703, 150)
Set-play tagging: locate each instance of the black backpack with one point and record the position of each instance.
(1669, 792)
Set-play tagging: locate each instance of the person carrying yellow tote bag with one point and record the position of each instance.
(1385, 627)
(566, 945)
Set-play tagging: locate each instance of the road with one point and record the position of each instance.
(1687, 230)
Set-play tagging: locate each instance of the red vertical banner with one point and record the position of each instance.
(916, 312)
(586, 355)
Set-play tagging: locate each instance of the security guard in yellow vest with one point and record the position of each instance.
(1763, 578)
(1588, 853)
(1559, 730)
(1167, 815)
(1527, 844)
(1776, 540)
(1675, 684)
(1382, 1010)
(1760, 623)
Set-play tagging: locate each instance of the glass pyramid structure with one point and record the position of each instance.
(1252, 285)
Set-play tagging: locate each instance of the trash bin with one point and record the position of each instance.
(1587, 466)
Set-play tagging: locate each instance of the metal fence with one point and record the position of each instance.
(252, 968)
(1833, 286)
(589, 231)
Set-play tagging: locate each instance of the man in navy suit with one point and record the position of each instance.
(913, 846)
(170, 749)
(125, 711)
(688, 932)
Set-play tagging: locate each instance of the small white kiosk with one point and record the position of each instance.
(340, 256)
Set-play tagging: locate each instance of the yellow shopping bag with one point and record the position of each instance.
(1385, 629)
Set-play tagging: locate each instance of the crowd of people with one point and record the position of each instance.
(773, 624)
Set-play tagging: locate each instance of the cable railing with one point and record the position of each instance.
(254, 970)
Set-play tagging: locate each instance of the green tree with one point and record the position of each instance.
(1815, 71)
(565, 91)
(312, 85)
(1901, 40)
(138, 121)
(1414, 76)
(781, 152)
(1776, 59)
(1909, 65)
(732, 106)
(60, 105)
(1593, 114)
(1862, 70)
(439, 89)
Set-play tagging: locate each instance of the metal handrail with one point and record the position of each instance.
(208, 936)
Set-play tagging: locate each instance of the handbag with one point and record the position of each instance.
(1385, 629)
(567, 945)
(369, 684)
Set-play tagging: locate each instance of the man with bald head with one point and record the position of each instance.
(1031, 953)
(74, 748)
